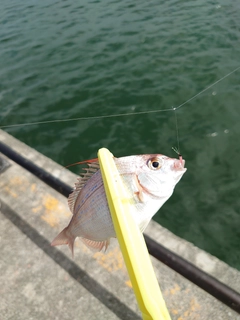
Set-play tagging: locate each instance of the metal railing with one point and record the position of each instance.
(219, 290)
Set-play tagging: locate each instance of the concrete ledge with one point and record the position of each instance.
(41, 282)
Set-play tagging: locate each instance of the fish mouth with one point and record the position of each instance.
(179, 164)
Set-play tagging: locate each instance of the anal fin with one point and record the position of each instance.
(96, 245)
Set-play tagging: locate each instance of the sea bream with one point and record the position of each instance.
(149, 181)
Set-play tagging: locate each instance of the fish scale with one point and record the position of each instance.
(93, 201)
(148, 180)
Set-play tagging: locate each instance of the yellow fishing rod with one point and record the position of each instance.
(132, 244)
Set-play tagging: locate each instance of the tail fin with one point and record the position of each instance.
(64, 237)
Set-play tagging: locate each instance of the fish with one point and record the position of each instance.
(148, 180)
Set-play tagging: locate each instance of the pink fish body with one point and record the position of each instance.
(149, 180)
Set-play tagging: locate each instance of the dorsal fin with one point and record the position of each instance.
(81, 181)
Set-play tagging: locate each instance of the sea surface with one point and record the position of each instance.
(71, 59)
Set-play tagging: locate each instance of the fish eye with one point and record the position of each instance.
(155, 163)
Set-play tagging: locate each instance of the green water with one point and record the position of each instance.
(67, 59)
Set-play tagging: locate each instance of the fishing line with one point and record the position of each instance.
(86, 118)
(177, 150)
(120, 114)
(213, 84)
